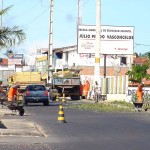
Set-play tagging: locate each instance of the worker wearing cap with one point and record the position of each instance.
(13, 92)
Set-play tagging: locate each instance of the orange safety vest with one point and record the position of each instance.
(139, 93)
(86, 88)
(11, 93)
(139, 96)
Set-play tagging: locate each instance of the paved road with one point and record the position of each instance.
(84, 130)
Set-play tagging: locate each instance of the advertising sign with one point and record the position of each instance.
(15, 56)
(14, 61)
(114, 39)
(132, 90)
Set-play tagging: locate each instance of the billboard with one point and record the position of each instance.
(14, 61)
(15, 56)
(114, 39)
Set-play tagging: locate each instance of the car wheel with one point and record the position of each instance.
(26, 103)
(46, 103)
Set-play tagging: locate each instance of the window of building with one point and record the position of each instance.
(59, 55)
(123, 61)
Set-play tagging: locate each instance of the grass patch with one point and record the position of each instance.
(115, 106)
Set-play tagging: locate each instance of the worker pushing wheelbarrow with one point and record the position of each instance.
(13, 100)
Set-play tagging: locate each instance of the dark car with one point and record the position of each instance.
(36, 93)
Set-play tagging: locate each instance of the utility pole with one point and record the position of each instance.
(50, 49)
(79, 20)
(98, 44)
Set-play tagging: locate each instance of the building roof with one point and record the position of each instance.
(140, 60)
(4, 62)
(65, 49)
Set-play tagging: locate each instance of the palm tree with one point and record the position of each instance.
(10, 36)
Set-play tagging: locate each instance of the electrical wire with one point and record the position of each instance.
(28, 10)
(137, 44)
(36, 17)
(73, 10)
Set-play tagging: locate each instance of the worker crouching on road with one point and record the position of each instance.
(12, 93)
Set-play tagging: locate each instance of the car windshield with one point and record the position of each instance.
(36, 88)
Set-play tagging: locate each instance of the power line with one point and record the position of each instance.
(75, 9)
(36, 17)
(138, 44)
(28, 10)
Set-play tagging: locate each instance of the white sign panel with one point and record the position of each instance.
(114, 39)
(132, 90)
(15, 56)
(14, 61)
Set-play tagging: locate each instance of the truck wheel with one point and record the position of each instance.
(77, 97)
(73, 97)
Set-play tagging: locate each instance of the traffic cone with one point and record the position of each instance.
(61, 116)
(63, 98)
(57, 97)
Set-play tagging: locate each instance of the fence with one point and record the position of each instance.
(110, 84)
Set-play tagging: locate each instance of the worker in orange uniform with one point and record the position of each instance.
(13, 92)
(86, 88)
(140, 93)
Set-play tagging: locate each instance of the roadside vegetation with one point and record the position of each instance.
(115, 106)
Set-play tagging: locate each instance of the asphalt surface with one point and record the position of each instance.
(12, 124)
(84, 130)
(17, 125)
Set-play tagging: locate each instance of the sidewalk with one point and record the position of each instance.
(18, 125)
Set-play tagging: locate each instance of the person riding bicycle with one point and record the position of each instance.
(12, 93)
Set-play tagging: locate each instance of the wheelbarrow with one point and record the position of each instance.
(18, 105)
(15, 106)
(138, 106)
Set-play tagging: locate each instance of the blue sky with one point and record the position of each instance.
(33, 17)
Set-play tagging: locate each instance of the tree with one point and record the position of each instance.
(138, 72)
(8, 52)
(10, 36)
(147, 54)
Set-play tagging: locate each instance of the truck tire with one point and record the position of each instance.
(77, 97)
(73, 97)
